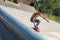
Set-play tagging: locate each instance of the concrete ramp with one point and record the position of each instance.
(20, 6)
(16, 27)
(19, 20)
(6, 34)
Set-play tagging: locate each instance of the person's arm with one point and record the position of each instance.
(43, 17)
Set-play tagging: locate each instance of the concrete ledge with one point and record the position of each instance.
(18, 6)
(21, 27)
(13, 30)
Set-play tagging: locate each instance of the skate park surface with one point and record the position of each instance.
(50, 30)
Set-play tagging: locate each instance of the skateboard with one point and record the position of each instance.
(37, 29)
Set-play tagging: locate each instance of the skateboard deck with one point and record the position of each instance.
(37, 30)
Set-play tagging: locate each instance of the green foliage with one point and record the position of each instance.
(49, 7)
(52, 17)
(56, 12)
(44, 5)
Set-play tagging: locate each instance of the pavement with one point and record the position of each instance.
(50, 30)
(19, 6)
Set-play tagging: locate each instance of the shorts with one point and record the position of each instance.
(35, 20)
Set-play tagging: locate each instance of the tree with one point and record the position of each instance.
(47, 6)
(56, 12)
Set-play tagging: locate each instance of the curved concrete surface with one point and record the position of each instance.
(50, 30)
(6, 34)
(20, 6)
(19, 28)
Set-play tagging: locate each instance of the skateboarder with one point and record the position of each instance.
(36, 21)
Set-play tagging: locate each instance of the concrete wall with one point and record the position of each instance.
(2, 2)
(20, 6)
(24, 1)
(6, 34)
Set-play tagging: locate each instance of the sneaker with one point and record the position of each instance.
(36, 29)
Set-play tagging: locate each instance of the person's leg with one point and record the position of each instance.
(35, 25)
(37, 22)
(31, 20)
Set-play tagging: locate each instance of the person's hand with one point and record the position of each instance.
(47, 21)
